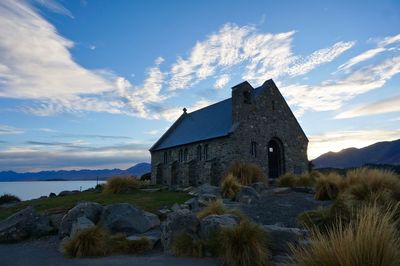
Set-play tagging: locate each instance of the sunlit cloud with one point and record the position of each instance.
(222, 81)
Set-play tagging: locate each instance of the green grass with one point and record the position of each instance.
(149, 201)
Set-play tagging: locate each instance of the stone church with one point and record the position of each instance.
(255, 125)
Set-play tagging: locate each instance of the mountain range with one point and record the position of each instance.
(136, 170)
(387, 152)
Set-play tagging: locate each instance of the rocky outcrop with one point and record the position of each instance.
(153, 235)
(80, 224)
(259, 186)
(90, 210)
(126, 218)
(178, 222)
(247, 195)
(214, 223)
(24, 224)
(67, 193)
(282, 236)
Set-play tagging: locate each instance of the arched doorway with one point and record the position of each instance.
(276, 159)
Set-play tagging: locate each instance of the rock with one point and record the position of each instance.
(80, 224)
(24, 224)
(153, 219)
(281, 190)
(90, 210)
(162, 213)
(126, 218)
(43, 197)
(308, 190)
(67, 193)
(213, 223)
(193, 204)
(52, 195)
(153, 235)
(208, 189)
(208, 197)
(282, 236)
(247, 195)
(181, 221)
(55, 220)
(259, 186)
(175, 207)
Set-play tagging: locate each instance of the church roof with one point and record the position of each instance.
(210, 122)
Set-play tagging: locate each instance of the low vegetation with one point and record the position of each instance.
(8, 198)
(230, 186)
(185, 246)
(96, 241)
(217, 207)
(246, 173)
(327, 186)
(292, 180)
(370, 239)
(121, 184)
(244, 245)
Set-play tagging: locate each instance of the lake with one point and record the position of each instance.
(34, 189)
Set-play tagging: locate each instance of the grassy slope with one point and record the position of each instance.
(149, 201)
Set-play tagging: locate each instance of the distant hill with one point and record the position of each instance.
(387, 152)
(136, 170)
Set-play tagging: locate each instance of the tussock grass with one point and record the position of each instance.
(217, 207)
(230, 186)
(244, 245)
(185, 246)
(327, 186)
(370, 239)
(287, 180)
(8, 198)
(96, 241)
(246, 173)
(121, 184)
(292, 180)
(90, 242)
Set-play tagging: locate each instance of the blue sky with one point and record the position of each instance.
(93, 84)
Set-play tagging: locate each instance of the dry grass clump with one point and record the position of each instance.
(185, 246)
(370, 239)
(217, 207)
(244, 245)
(96, 241)
(246, 173)
(327, 186)
(8, 198)
(292, 180)
(287, 180)
(121, 184)
(230, 186)
(90, 242)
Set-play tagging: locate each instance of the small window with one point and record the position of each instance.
(185, 155)
(271, 149)
(165, 157)
(180, 156)
(205, 151)
(199, 153)
(246, 97)
(254, 149)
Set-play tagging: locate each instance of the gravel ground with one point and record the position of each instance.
(44, 252)
(280, 208)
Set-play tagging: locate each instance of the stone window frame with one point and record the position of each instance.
(185, 155)
(253, 149)
(205, 151)
(180, 155)
(198, 153)
(165, 157)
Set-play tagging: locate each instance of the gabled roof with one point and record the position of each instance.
(209, 122)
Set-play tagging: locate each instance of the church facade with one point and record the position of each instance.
(255, 125)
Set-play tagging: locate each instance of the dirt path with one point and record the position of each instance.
(44, 252)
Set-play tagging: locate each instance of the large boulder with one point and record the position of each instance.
(247, 194)
(281, 236)
(193, 204)
(207, 189)
(126, 218)
(80, 224)
(178, 222)
(24, 224)
(214, 223)
(90, 210)
(154, 235)
(68, 193)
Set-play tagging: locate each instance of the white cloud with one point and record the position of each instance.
(9, 130)
(389, 40)
(338, 140)
(172, 113)
(152, 132)
(361, 57)
(331, 94)
(55, 7)
(222, 81)
(379, 107)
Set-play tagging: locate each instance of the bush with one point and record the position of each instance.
(230, 186)
(121, 184)
(292, 180)
(146, 176)
(287, 180)
(246, 173)
(327, 186)
(213, 207)
(244, 244)
(9, 198)
(119, 244)
(185, 246)
(90, 242)
(370, 239)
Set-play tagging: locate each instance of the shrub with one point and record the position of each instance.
(87, 243)
(146, 176)
(306, 179)
(119, 244)
(292, 180)
(121, 184)
(246, 173)
(327, 186)
(244, 244)
(287, 180)
(185, 246)
(213, 207)
(230, 186)
(9, 198)
(370, 239)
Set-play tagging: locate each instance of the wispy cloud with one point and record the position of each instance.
(378, 107)
(55, 7)
(222, 81)
(9, 130)
(361, 57)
